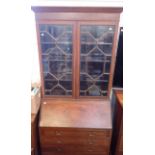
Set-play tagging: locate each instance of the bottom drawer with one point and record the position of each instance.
(75, 148)
(51, 153)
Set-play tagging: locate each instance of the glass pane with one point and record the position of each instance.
(58, 91)
(65, 38)
(67, 48)
(87, 37)
(56, 46)
(46, 37)
(49, 84)
(96, 49)
(106, 49)
(48, 76)
(86, 48)
(46, 47)
(66, 82)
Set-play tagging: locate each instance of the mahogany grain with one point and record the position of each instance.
(80, 126)
(42, 9)
(76, 114)
(34, 146)
(117, 137)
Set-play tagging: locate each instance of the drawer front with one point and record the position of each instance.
(51, 153)
(75, 153)
(77, 142)
(50, 132)
(75, 148)
(70, 140)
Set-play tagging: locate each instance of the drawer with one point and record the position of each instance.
(70, 140)
(75, 148)
(51, 153)
(51, 132)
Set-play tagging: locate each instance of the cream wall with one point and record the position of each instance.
(35, 70)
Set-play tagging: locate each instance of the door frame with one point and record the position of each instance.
(73, 55)
(113, 55)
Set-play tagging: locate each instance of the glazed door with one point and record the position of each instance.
(95, 54)
(56, 54)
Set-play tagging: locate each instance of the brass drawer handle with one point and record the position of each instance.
(59, 142)
(58, 133)
(90, 142)
(91, 134)
(59, 149)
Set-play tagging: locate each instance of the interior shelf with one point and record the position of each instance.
(95, 61)
(85, 43)
(53, 60)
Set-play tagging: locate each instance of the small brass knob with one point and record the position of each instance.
(58, 133)
(91, 134)
(59, 149)
(59, 142)
(90, 142)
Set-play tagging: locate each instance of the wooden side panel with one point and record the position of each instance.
(34, 134)
(117, 137)
(114, 53)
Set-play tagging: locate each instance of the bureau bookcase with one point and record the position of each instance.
(77, 50)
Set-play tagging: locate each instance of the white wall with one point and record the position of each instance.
(35, 70)
(77, 2)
